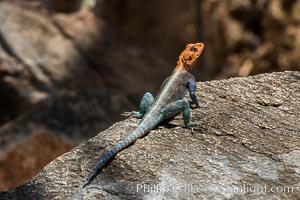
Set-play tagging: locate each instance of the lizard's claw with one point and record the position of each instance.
(191, 128)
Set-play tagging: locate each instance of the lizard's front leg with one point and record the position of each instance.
(176, 107)
(192, 91)
(145, 104)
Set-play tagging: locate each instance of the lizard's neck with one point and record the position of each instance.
(181, 66)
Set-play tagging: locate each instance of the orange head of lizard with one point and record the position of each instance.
(188, 57)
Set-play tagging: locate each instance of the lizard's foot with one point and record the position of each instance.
(135, 114)
(198, 105)
(127, 114)
(192, 124)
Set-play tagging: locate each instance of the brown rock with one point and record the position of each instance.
(21, 163)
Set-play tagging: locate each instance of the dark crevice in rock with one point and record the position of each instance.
(269, 155)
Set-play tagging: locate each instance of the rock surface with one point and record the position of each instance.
(246, 147)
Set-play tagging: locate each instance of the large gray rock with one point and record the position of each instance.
(246, 147)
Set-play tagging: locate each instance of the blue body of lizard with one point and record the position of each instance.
(168, 103)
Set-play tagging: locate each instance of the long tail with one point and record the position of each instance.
(140, 131)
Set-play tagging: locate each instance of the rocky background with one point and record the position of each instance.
(68, 69)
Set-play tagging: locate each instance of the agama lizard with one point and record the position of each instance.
(168, 103)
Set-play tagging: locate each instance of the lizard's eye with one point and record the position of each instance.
(194, 49)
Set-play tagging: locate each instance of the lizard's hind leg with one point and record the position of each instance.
(145, 104)
(176, 107)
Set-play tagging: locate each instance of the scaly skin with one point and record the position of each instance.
(168, 103)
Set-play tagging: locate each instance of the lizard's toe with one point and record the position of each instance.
(127, 114)
(202, 105)
(135, 114)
